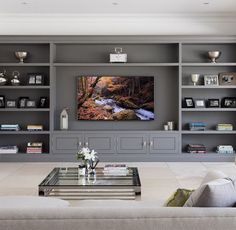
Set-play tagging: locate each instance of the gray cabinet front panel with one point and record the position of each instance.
(164, 143)
(132, 143)
(67, 143)
(101, 143)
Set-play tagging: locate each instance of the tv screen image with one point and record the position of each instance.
(115, 98)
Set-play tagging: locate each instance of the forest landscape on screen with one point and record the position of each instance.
(115, 98)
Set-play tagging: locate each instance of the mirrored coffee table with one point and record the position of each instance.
(66, 183)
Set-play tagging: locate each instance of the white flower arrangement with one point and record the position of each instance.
(87, 155)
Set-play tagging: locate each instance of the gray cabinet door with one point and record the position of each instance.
(131, 143)
(67, 143)
(101, 143)
(163, 143)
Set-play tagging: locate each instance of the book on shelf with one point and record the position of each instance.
(224, 127)
(10, 127)
(197, 126)
(12, 149)
(196, 148)
(225, 149)
(34, 147)
(34, 127)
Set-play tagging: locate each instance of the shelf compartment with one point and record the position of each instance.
(211, 141)
(22, 140)
(24, 70)
(203, 70)
(197, 53)
(38, 53)
(99, 53)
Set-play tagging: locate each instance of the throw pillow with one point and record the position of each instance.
(178, 198)
(217, 193)
(213, 175)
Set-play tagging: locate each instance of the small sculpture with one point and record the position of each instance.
(15, 80)
(3, 79)
(21, 55)
(214, 55)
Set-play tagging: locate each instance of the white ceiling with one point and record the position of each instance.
(116, 6)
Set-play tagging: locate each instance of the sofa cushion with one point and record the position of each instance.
(31, 201)
(216, 193)
(178, 198)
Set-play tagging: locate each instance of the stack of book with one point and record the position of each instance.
(224, 127)
(9, 127)
(34, 127)
(197, 126)
(193, 148)
(115, 169)
(9, 149)
(34, 147)
(225, 149)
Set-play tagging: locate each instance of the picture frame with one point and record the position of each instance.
(43, 102)
(211, 80)
(30, 104)
(228, 102)
(22, 102)
(227, 78)
(2, 101)
(11, 103)
(35, 79)
(213, 103)
(199, 103)
(188, 102)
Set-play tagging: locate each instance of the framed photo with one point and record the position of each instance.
(11, 103)
(227, 78)
(228, 102)
(188, 102)
(199, 103)
(43, 102)
(22, 102)
(35, 79)
(2, 102)
(211, 80)
(30, 104)
(213, 103)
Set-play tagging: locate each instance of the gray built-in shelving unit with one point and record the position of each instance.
(170, 59)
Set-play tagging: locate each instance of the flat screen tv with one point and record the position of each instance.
(115, 98)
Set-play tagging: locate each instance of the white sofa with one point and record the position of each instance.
(117, 215)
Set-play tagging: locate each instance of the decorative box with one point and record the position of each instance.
(118, 56)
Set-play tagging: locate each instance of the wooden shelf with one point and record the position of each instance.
(208, 110)
(208, 132)
(25, 87)
(25, 64)
(208, 87)
(24, 110)
(115, 64)
(25, 132)
(209, 64)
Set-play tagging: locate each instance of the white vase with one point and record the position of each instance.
(64, 120)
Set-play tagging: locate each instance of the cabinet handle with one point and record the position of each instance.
(144, 143)
(151, 143)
